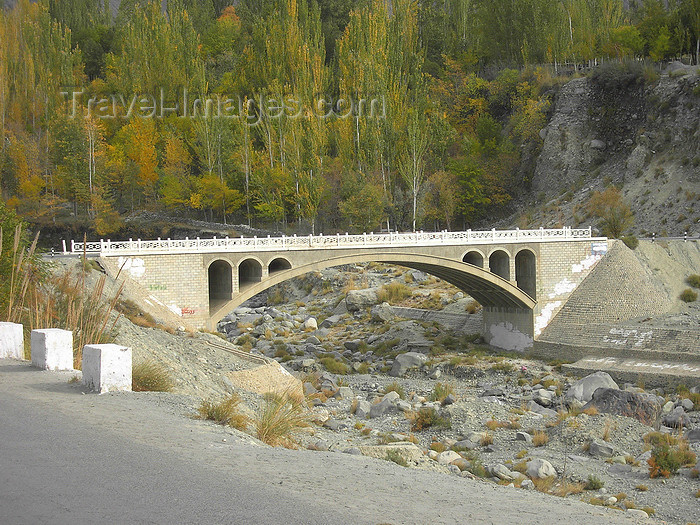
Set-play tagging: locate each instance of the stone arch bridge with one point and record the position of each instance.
(521, 277)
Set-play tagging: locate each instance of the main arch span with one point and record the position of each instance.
(521, 277)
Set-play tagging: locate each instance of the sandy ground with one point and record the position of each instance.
(200, 472)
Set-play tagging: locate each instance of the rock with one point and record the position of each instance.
(320, 415)
(405, 361)
(543, 397)
(385, 405)
(382, 313)
(320, 445)
(527, 485)
(447, 457)
(502, 472)
(523, 436)
(352, 345)
(611, 500)
(310, 324)
(432, 454)
(668, 406)
(363, 409)
(677, 418)
(461, 463)
(687, 404)
(419, 276)
(449, 400)
(582, 390)
(601, 449)
(345, 392)
(618, 460)
(693, 436)
(335, 425)
(435, 374)
(356, 300)
(403, 406)
(312, 340)
(597, 144)
(540, 468)
(638, 513)
(539, 409)
(643, 407)
(309, 389)
(353, 451)
(454, 469)
(466, 444)
(328, 322)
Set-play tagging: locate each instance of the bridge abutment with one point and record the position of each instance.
(509, 328)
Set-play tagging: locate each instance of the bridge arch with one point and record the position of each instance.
(499, 263)
(475, 257)
(220, 281)
(278, 264)
(484, 286)
(249, 272)
(526, 271)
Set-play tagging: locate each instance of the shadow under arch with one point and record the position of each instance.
(486, 287)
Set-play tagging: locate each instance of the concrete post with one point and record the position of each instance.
(107, 368)
(52, 349)
(11, 341)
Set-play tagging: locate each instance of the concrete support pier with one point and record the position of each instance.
(107, 368)
(52, 349)
(11, 341)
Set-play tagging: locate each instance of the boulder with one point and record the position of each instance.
(676, 419)
(382, 313)
(540, 468)
(539, 409)
(345, 392)
(310, 324)
(502, 472)
(358, 299)
(582, 390)
(447, 457)
(523, 436)
(385, 405)
(693, 436)
(601, 449)
(405, 361)
(643, 407)
(543, 397)
(362, 410)
(597, 144)
(312, 340)
(328, 322)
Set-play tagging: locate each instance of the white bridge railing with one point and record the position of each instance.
(376, 240)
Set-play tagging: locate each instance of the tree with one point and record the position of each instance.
(615, 216)
(363, 209)
(441, 198)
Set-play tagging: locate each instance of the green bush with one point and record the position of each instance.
(689, 296)
(334, 366)
(149, 376)
(396, 457)
(441, 391)
(594, 482)
(693, 280)
(630, 241)
(665, 460)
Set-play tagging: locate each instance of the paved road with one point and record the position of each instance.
(71, 457)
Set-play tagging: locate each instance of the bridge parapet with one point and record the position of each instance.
(314, 242)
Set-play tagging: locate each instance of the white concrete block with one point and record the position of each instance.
(11, 341)
(52, 349)
(107, 368)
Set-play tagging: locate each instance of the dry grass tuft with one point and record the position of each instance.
(441, 391)
(225, 413)
(591, 411)
(149, 376)
(544, 484)
(486, 439)
(539, 438)
(566, 488)
(281, 417)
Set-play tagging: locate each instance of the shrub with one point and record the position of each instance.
(642, 488)
(594, 482)
(334, 366)
(688, 296)
(149, 376)
(428, 417)
(630, 241)
(396, 457)
(486, 439)
(660, 438)
(441, 391)
(280, 418)
(437, 446)
(665, 460)
(693, 280)
(503, 366)
(395, 387)
(539, 438)
(225, 413)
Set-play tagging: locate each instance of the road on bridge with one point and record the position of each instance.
(71, 457)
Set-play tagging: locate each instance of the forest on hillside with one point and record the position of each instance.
(323, 115)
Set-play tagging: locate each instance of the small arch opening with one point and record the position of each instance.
(249, 272)
(474, 258)
(278, 265)
(220, 283)
(499, 263)
(526, 272)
